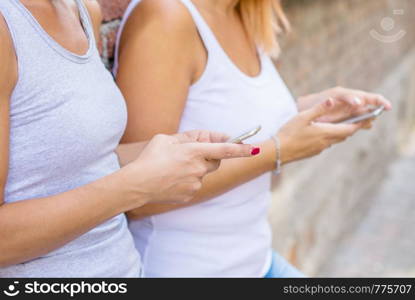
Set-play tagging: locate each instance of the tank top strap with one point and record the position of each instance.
(208, 37)
(27, 34)
(15, 23)
(86, 20)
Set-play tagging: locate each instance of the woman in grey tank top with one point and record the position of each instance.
(63, 193)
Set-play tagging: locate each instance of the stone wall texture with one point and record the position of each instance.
(365, 44)
(348, 43)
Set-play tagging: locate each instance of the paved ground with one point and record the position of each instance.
(383, 245)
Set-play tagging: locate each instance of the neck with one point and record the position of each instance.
(222, 6)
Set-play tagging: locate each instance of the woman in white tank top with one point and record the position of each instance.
(205, 64)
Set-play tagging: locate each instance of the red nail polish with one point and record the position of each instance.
(256, 151)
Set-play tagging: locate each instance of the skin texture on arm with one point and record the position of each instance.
(127, 153)
(163, 45)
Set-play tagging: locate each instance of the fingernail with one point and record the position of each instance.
(329, 102)
(256, 151)
(357, 100)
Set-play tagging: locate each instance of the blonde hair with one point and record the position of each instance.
(264, 20)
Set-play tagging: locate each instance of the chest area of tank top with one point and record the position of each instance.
(75, 102)
(70, 90)
(234, 104)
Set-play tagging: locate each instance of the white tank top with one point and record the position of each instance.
(228, 236)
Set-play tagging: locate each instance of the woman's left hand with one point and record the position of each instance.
(354, 103)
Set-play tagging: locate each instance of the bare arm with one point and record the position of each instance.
(31, 228)
(155, 80)
(127, 153)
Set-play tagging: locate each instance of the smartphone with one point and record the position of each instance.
(371, 115)
(245, 136)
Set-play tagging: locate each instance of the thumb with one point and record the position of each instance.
(319, 110)
(218, 151)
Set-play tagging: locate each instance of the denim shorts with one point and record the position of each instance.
(281, 268)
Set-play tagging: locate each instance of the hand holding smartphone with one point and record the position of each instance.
(246, 135)
(370, 115)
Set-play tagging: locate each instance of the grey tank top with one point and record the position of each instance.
(67, 117)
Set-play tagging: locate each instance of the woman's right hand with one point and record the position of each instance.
(304, 137)
(171, 168)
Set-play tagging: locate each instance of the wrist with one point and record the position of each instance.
(268, 154)
(130, 188)
(277, 164)
(285, 152)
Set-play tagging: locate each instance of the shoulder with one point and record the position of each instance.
(95, 11)
(169, 15)
(166, 28)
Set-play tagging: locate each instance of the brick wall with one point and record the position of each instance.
(319, 200)
(112, 12)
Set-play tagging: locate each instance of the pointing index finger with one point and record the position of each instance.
(218, 151)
